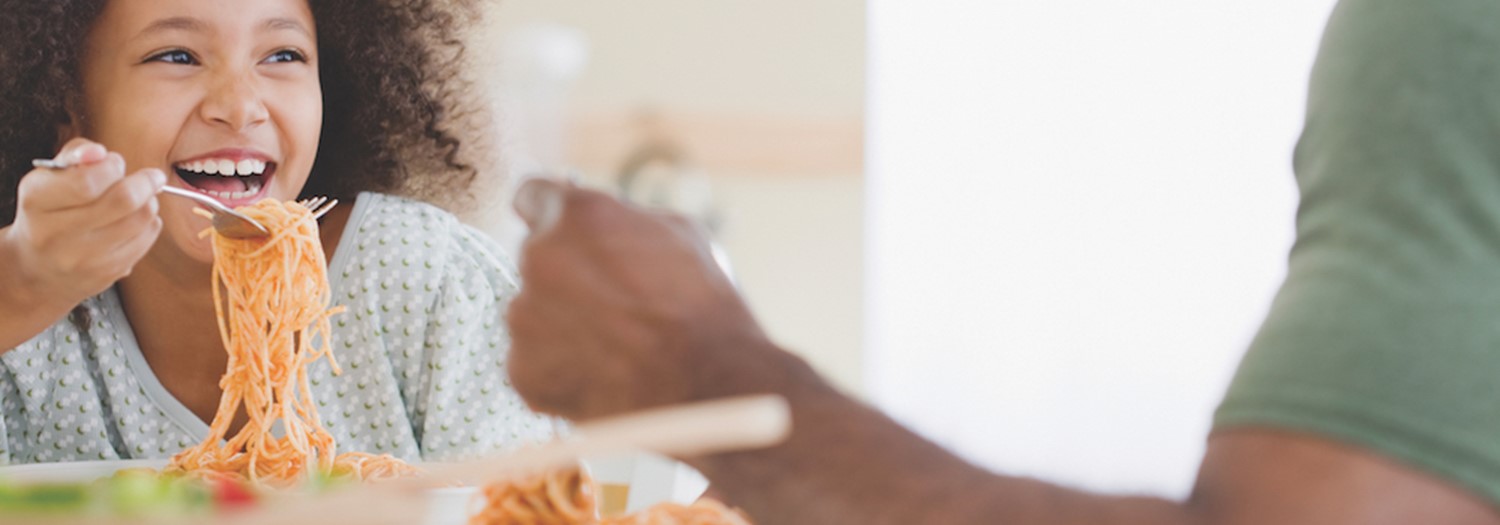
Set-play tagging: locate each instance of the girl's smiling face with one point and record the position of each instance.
(222, 95)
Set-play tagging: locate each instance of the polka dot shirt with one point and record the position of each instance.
(422, 347)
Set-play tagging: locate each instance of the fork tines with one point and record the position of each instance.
(319, 205)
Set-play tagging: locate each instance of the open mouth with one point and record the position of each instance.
(229, 181)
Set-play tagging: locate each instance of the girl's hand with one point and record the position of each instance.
(80, 229)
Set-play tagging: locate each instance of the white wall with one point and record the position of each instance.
(765, 57)
(1078, 212)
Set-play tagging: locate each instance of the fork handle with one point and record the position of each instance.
(51, 164)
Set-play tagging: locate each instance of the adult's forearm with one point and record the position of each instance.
(24, 312)
(848, 463)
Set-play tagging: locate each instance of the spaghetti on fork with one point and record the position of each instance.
(273, 305)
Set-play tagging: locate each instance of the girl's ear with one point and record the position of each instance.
(71, 129)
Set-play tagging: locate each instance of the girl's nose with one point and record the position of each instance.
(234, 102)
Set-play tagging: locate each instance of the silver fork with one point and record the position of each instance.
(320, 205)
(225, 220)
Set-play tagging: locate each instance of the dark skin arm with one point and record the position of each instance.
(624, 310)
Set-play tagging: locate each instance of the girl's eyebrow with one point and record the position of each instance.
(184, 23)
(291, 24)
(176, 23)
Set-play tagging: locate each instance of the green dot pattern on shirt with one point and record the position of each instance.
(412, 385)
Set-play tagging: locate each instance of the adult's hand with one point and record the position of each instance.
(623, 309)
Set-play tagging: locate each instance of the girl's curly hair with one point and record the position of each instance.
(393, 93)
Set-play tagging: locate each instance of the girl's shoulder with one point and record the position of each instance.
(388, 225)
(380, 217)
(397, 245)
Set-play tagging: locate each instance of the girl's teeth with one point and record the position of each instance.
(251, 188)
(226, 168)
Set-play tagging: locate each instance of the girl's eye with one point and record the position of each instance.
(174, 56)
(286, 55)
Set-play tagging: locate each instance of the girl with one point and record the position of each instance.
(110, 345)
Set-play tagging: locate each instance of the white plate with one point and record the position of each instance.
(449, 506)
(80, 471)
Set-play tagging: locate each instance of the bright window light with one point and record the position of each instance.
(1078, 214)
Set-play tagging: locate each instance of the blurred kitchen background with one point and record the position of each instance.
(1041, 233)
(748, 115)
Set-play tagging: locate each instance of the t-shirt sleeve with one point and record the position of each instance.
(469, 405)
(1386, 332)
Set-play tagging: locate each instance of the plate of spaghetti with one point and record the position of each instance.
(571, 497)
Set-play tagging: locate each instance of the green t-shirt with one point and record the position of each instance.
(1386, 333)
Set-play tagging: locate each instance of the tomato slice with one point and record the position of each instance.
(231, 494)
